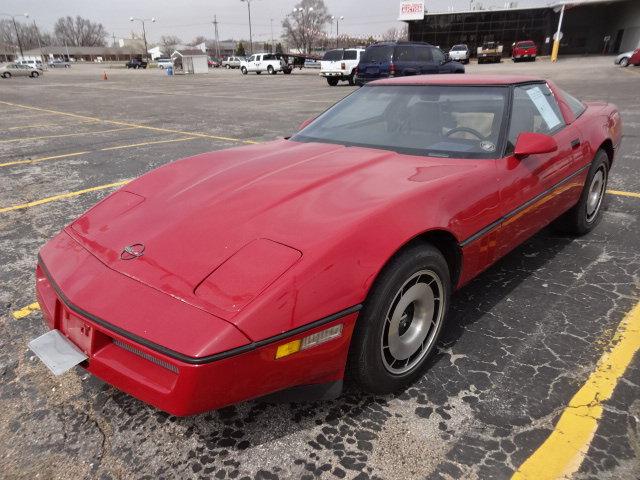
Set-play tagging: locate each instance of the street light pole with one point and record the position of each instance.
(144, 31)
(15, 27)
(337, 19)
(250, 35)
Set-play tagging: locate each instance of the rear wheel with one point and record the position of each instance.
(6, 75)
(227, 66)
(243, 70)
(258, 72)
(270, 70)
(401, 320)
(586, 214)
(35, 74)
(287, 71)
(624, 62)
(332, 81)
(352, 78)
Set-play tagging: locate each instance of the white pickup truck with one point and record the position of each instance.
(271, 63)
(340, 64)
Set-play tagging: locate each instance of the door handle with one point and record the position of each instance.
(575, 143)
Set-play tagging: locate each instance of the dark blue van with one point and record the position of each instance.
(399, 59)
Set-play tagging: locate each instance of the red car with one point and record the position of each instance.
(524, 50)
(635, 58)
(235, 274)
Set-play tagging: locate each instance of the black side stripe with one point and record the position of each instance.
(180, 356)
(522, 207)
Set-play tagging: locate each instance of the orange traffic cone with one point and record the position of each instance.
(104, 75)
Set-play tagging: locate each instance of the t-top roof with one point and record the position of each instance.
(458, 79)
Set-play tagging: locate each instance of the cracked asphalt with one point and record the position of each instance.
(521, 340)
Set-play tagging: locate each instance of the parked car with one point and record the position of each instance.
(460, 53)
(524, 50)
(37, 64)
(9, 70)
(311, 63)
(340, 64)
(265, 62)
(59, 64)
(136, 63)
(213, 62)
(490, 52)
(164, 63)
(628, 58)
(334, 250)
(232, 62)
(399, 59)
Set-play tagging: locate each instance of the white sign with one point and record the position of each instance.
(411, 10)
(542, 104)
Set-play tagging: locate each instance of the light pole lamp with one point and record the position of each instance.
(250, 35)
(337, 19)
(144, 30)
(15, 27)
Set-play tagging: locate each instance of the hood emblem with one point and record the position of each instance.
(132, 251)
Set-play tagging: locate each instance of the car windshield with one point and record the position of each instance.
(457, 48)
(377, 54)
(333, 55)
(433, 120)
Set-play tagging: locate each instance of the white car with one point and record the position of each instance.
(265, 62)
(460, 53)
(623, 59)
(340, 64)
(164, 63)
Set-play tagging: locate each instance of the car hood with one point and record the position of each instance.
(189, 217)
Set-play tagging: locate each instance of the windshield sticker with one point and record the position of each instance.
(488, 146)
(542, 104)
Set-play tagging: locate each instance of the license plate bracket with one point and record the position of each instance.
(57, 352)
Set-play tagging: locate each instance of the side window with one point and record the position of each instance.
(403, 53)
(350, 55)
(438, 56)
(534, 110)
(576, 106)
(423, 54)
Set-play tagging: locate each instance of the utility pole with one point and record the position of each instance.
(39, 42)
(556, 40)
(273, 47)
(250, 36)
(15, 26)
(113, 37)
(144, 31)
(337, 19)
(215, 31)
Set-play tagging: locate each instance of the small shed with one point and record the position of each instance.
(190, 61)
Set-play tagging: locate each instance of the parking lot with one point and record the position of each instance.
(523, 338)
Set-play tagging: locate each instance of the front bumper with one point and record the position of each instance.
(176, 383)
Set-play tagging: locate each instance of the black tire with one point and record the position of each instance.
(258, 72)
(227, 66)
(243, 70)
(624, 62)
(352, 79)
(35, 74)
(579, 220)
(287, 71)
(270, 70)
(368, 363)
(6, 75)
(332, 81)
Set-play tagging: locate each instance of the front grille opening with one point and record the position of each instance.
(146, 356)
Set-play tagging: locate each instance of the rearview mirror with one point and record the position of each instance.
(529, 143)
(305, 123)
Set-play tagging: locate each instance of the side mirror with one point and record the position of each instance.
(529, 143)
(305, 123)
(447, 57)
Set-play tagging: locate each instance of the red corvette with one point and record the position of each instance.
(288, 265)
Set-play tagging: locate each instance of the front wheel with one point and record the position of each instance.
(401, 320)
(227, 66)
(624, 62)
(243, 70)
(258, 72)
(35, 74)
(586, 214)
(6, 75)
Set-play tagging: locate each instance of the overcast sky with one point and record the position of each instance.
(189, 18)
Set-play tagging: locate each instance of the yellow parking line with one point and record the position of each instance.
(23, 312)
(62, 196)
(564, 450)
(66, 135)
(25, 127)
(129, 124)
(146, 143)
(624, 194)
(35, 160)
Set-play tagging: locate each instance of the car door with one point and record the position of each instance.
(404, 60)
(536, 189)
(424, 60)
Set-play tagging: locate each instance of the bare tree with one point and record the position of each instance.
(80, 32)
(28, 32)
(304, 27)
(198, 40)
(396, 34)
(168, 44)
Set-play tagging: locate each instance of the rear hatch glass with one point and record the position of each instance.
(332, 56)
(377, 54)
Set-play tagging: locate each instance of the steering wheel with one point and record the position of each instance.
(473, 132)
